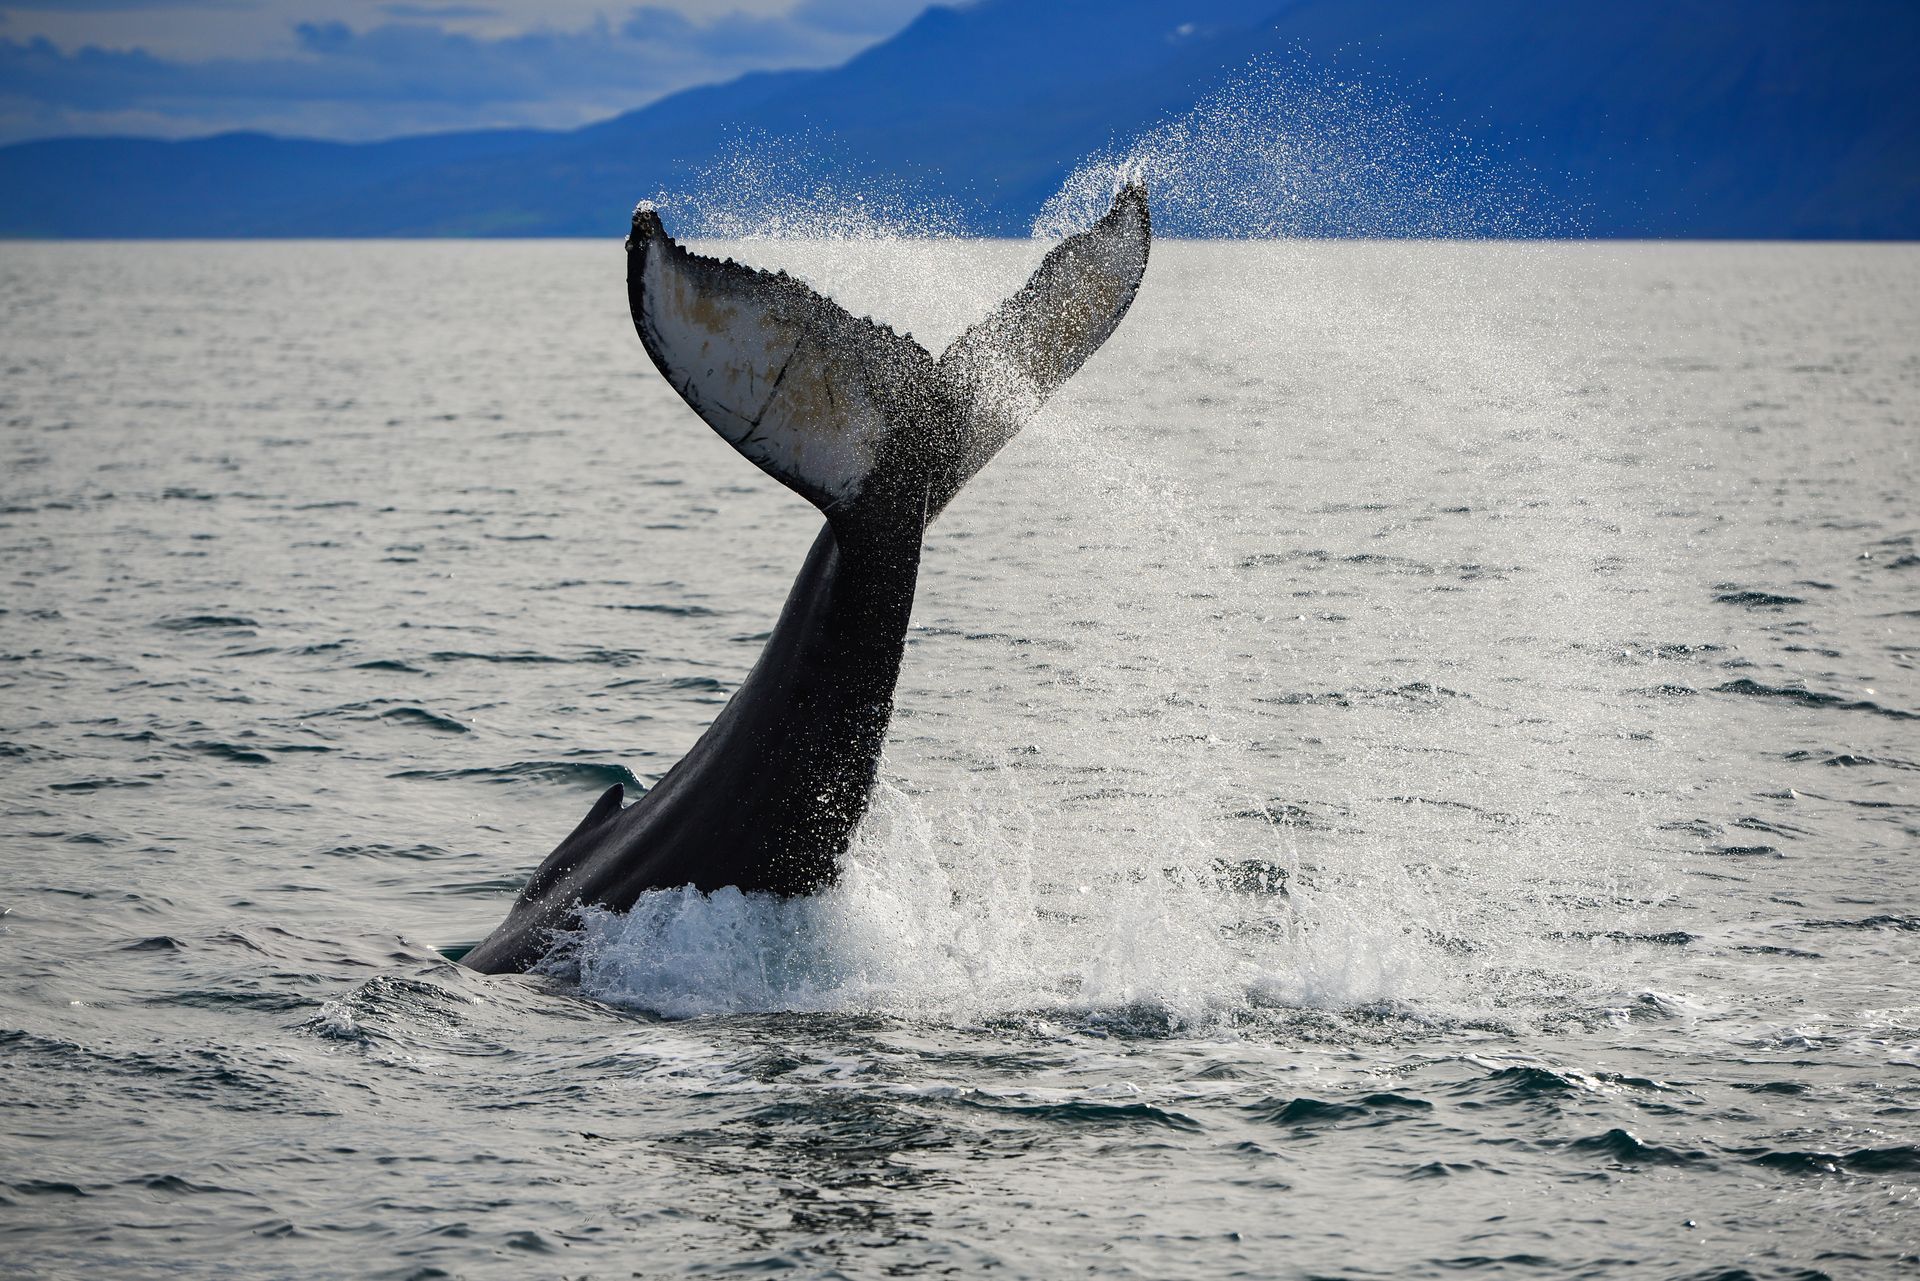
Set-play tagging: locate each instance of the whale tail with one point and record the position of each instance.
(846, 412)
(878, 434)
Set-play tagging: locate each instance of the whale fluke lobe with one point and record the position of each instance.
(867, 426)
(1001, 370)
(805, 390)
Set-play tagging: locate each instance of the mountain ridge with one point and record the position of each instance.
(1682, 118)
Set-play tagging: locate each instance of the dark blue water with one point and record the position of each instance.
(1407, 770)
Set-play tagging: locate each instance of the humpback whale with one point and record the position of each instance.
(879, 435)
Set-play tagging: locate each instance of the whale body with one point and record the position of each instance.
(879, 435)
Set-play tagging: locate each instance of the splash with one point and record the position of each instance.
(797, 188)
(990, 904)
(1122, 812)
(938, 912)
(1284, 150)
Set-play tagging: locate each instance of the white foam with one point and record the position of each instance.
(945, 914)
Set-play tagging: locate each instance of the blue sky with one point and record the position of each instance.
(359, 69)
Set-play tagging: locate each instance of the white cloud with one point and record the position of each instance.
(362, 69)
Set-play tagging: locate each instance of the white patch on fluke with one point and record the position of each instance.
(757, 363)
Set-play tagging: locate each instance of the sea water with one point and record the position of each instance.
(1405, 769)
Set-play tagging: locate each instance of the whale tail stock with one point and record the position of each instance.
(858, 419)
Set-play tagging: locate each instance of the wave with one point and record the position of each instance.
(204, 623)
(1897, 1159)
(675, 611)
(102, 783)
(1621, 1147)
(595, 775)
(1812, 698)
(424, 719)
(1749, 598)
(1307, 1113)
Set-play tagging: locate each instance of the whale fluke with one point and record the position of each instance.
(838, 407)
(867, 426)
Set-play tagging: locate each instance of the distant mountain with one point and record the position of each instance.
(1699, 118)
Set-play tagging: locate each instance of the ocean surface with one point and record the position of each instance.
(1406, 770)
